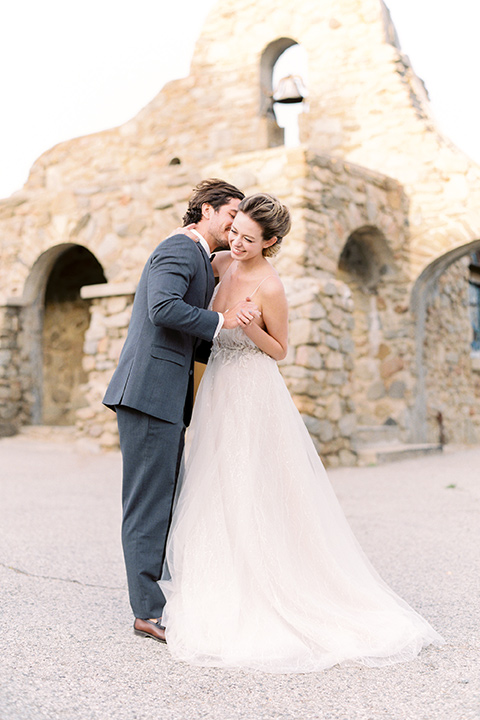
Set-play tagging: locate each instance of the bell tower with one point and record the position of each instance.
(288, 90)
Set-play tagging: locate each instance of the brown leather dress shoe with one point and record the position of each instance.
(150, 629)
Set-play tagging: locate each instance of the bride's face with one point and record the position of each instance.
(245, 238)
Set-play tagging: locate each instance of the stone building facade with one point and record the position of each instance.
(378, 267)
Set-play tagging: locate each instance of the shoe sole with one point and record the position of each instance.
(140, 633)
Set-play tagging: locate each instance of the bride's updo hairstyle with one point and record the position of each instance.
(271, 215)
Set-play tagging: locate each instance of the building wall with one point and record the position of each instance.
(365, 105)
(378, 197)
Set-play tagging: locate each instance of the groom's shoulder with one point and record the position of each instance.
(178, 245)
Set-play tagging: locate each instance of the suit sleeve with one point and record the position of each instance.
(173, 267)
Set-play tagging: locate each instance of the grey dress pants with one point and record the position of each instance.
(151, 451)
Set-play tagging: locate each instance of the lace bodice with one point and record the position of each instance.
(233, 345)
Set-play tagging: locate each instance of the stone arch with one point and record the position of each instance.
(367, 265)
(421, 296)
(270, 55)
(54, 321)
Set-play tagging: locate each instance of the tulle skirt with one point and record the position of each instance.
(262, 569)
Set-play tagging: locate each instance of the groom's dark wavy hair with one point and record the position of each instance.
(212, 191)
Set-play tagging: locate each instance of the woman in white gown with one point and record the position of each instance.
(265, 572)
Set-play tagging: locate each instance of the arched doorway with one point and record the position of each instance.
(367, 265)
(66, 318)
(55, 319)
(447, 395)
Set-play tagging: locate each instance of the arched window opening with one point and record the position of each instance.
(367, 258)
(283, 75)
(289, 76)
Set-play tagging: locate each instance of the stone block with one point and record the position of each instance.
(383, 351)
(88, 363)
(397, 389)
(300, 332)
(116, 305)
(346, 344)
(331, 461)
(85, 413)
(330, 289)
(295, 371)
(90, 347)
(334, 409)
(347, 458)
(331, 342)
(325, 431)
(376, 391)
(334, 361)
(347, 425)
(312, 424)
(308, 356)
(5, 357)
(120, 320)
(390, 366)
(337, 378)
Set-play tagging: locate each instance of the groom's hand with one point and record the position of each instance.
(240, 314)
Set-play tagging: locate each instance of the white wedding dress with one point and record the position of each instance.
(265, 572)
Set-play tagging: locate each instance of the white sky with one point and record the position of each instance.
(71, 68)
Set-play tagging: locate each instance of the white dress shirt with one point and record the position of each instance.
(205, 246)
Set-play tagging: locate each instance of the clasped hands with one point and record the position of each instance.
(241, 314)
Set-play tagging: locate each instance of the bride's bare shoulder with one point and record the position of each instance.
(271, 284)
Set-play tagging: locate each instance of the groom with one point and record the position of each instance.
(152, 387)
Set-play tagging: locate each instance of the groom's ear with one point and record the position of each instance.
(207, 210)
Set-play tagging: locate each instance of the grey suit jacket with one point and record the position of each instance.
(155, 369)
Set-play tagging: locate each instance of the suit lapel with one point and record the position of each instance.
(210, 275)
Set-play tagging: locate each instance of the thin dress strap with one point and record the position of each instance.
(260, 283)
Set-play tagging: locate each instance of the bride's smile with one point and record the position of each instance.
(246, 239)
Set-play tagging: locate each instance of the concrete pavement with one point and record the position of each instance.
(67, 646)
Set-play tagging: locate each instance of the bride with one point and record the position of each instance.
(263, 569)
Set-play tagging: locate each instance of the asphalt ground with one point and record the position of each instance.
(66, 640)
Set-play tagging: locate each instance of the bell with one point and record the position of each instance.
(290, 89)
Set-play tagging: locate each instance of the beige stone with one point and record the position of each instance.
(374, 174)
(390, 366)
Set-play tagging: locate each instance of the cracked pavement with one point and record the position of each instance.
(67, 646)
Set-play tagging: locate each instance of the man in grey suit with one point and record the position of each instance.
(152, 387)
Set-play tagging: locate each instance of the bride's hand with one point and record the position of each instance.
(185, 231)
(241, 314)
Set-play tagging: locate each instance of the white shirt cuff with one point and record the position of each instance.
(221, 320)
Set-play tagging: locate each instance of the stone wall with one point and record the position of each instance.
(318, 369)
(10, 384)
(329, 201)
(16, 383)
(453, 392)
(384, 373)
(110, 311)
(365, 105)
(346, 204)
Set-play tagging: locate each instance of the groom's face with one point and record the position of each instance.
(220, 222)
